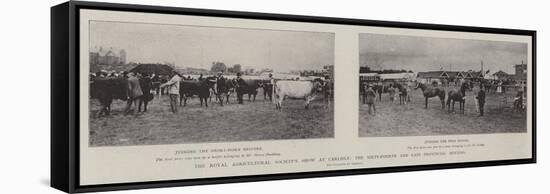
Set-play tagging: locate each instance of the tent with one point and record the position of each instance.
(157, 69)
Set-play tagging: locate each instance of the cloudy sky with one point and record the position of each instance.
(431, 54)
(190, 46)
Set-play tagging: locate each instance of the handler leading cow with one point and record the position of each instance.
(306, 90)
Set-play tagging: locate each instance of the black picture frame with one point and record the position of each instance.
(65, 109)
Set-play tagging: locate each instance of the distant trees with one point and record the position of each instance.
(235, 69)
(218, 67)
(249, 71)
(364, 69)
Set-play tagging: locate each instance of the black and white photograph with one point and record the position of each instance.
(154, 84)
(428, 86)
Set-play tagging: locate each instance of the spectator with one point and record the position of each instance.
(369, 97)
(173, 86)
(134, 92)
(481, 100)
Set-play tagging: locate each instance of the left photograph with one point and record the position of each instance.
(153, 84)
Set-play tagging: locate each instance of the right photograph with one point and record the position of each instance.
(427, 86)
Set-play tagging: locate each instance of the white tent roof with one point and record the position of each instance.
(408, 76)
(368, 74)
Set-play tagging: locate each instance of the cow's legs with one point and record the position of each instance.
(276, 102)
(220, 99)
(185, 101)
(450, 105)
(212, 93)
(227, 98)
(103, 110)
(145, 102)
(308, 100)
(426, 101)
(279, 100)
(442, 98)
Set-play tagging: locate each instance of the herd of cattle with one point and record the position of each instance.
(106, 89)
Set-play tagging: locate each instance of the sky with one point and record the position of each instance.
(198, 47)
(433, 54)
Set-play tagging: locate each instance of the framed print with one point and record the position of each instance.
(146, 96)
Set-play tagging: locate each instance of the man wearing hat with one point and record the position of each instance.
(241, 88)
(134, 92)
(368, 97)
(328, 87)
(221, 88)
(480, 100)
(173, 86)
(268, 87)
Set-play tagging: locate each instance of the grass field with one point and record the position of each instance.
(414, 120)
(194, 124)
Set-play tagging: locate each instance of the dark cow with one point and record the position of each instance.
(106, 90)
(230, 85)
(224, 88)
(200, 88)
(250, 88)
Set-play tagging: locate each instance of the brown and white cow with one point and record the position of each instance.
(306, 90)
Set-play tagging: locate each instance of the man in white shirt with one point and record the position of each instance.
(173, 90)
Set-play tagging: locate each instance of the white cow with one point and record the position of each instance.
(306, 90)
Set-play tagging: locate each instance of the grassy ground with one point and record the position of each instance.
(194, 124)
(414, 120)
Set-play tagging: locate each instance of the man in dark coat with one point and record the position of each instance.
(328, 87)
(221, 88)
(146, 85)
(369, 97)
(134, 92)
(481, 100)
(379, 89)
(268, 87)
(241, 88)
